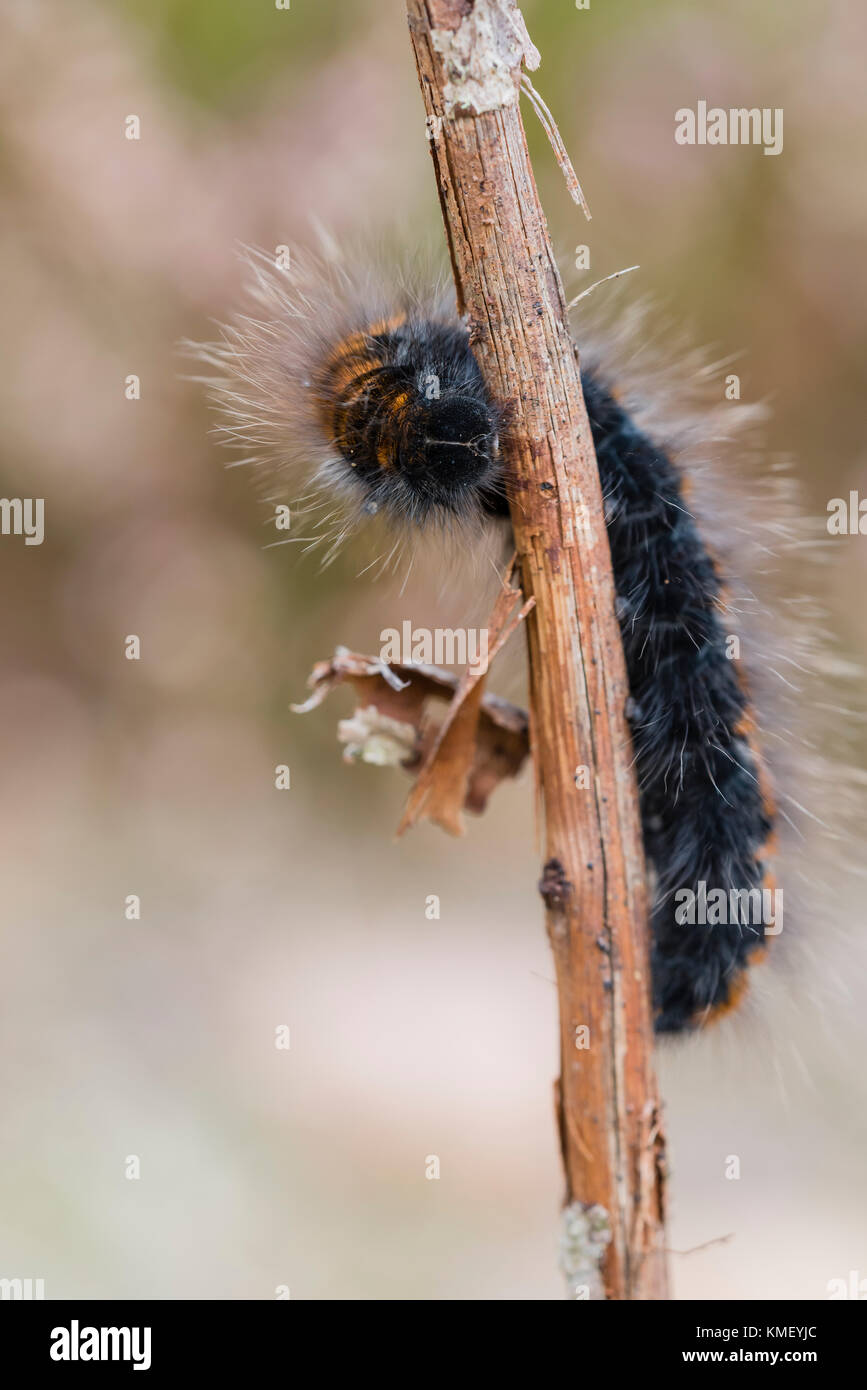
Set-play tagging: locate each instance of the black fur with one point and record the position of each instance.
(704, 815)
(703, 812)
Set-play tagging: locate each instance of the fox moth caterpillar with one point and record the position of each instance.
(375, 401)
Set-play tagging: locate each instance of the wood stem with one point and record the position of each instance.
(470, 55)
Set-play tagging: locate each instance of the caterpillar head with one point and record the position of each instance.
(333, 394)
(405, 405)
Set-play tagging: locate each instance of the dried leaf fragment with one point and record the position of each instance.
(460, 758)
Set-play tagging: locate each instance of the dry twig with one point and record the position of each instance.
(470, 55)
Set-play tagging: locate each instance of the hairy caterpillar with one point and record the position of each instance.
(382, 408)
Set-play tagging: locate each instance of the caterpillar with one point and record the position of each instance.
(382, 408)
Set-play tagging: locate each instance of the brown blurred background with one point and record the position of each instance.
(306, 1168)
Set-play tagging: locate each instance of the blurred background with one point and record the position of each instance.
(156, 1038)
